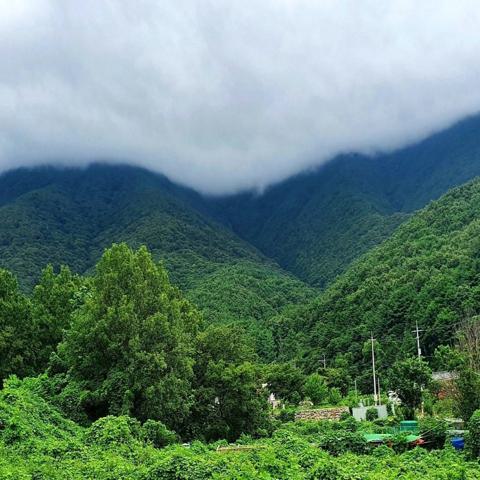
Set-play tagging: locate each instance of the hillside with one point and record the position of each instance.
(317, 223)
(313, 225)
(70, 216)
(427, 272)
(230, 255)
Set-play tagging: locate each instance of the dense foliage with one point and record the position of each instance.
(18, 329)
(50, 216)
(317, 223)
(36, 442)
(127, 342)
(131, 345)
(473, 437)
(428, 273)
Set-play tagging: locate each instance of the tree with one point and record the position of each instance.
(228, 343)
(239, 405)
(285, 380)
(473, 436)
(18, 332)
(408, 378)
(229, 398)
(469, 341)
(316, 388)
(467, 391)
(131, 344)
(446, 358)
(55, 298)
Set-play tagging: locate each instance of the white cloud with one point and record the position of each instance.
(227, 95)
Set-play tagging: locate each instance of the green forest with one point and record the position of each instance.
(117, 374)
(68, 217)
(148, 332)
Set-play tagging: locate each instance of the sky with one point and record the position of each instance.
(229, 95)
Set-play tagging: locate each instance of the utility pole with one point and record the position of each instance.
(417, 333)
(324, 361)
(419, 353)
(378, 391)
(373, 369)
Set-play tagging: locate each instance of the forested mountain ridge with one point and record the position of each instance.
(314, 225)
(69, 216)
(224, 253)
(317, 223)
(428, 273)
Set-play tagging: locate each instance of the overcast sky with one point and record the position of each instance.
(228, 95)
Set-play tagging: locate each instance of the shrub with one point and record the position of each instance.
(324, 471)
(334, 396)
(349, 424)
(345, 416)
(65, 394)
(372, 414)
(158, 434)
(181, 464)
(287, 415)
(399, 442)
(381, 422)
(316, 389)
(112, 431)
(473, 437)
(339, 442)
(434, 432)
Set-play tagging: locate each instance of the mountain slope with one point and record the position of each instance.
(69, 216)
(317, 223)
(427, 272)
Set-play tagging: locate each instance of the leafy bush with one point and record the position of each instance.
(473, 437)
(434, 431)
(399, 442)
(345, 416)
(349, 424)
(334, 396)
(36, 442)
(158, 434)
(65, 394)
(287, 415)
(339, 442)
(113, 431)
(316, 389)
(371, 414)
(324, 471)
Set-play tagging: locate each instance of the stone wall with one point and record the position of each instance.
(322, 413)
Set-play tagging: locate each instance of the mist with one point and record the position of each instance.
(224, 96)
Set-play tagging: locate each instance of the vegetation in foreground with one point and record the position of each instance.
(37, 442)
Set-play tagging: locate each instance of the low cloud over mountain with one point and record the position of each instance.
(224, 96)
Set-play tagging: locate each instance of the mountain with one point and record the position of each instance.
(69, 216)
(428, 273)
(317, 223)
(243, 258)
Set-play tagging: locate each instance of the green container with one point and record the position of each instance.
(409, 426)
